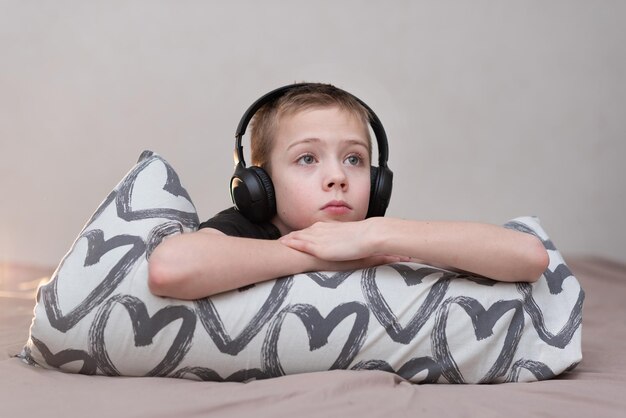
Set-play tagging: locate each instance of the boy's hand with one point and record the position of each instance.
(333, 241)
(337, 241)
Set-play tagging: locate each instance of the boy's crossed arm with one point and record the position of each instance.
(207, 262)
(482, 249)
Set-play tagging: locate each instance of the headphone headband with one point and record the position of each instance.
(377, 126)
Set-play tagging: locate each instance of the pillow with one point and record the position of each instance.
(97, 316)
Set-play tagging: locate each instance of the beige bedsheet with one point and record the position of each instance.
(596, 388)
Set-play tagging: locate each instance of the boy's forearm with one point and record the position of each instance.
(196, 265)
(483, 249)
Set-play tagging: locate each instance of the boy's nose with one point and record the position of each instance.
(336, 179)
(341, 185)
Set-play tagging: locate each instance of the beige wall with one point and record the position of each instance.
(493, 109)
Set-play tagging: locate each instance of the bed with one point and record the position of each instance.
(596, 387)
(287, 338)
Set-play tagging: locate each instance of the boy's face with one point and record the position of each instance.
(320, 168)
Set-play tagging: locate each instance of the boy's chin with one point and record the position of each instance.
(338, 212)
(340, 217)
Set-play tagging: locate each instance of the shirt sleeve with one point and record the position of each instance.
(232, 222)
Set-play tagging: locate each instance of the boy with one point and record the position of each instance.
(314, 144)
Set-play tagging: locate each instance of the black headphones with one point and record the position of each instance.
(251, 188)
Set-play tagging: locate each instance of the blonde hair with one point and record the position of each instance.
(307, 96)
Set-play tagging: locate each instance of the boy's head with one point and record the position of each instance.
(309, 96)
(311, 159)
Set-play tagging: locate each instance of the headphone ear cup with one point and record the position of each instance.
(268, 192)
(252, 192)
(373, 182)
(380, 192)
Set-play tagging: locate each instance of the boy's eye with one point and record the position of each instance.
(306, 159)
(353, 160)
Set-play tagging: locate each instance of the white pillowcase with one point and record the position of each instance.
(97, 315)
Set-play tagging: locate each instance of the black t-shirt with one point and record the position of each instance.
(232, 222)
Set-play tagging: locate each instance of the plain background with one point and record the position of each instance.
(493, 109)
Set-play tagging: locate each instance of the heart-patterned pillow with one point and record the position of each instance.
(97, 316)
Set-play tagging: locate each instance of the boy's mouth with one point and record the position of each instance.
(337, 207)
